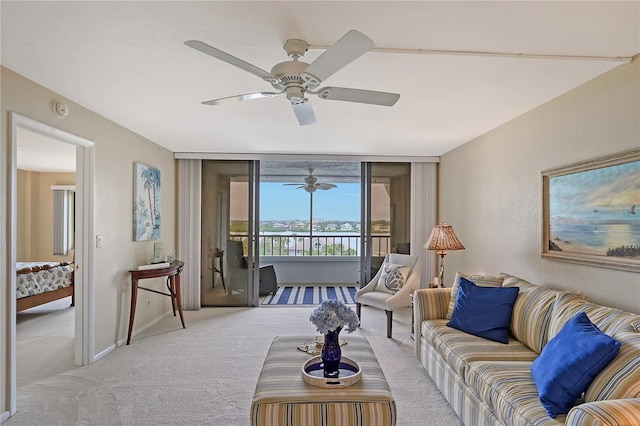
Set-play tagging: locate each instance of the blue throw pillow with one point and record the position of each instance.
(484, 311)
(569, 362)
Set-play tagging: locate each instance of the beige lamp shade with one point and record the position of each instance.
(443, 240)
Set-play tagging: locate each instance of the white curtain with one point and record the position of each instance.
(189, 230)
(60, 222)
(423, 216)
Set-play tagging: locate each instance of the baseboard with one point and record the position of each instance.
(123, 341)
(4, 416)
(104, 353)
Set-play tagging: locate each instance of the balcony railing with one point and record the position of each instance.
(317, 245)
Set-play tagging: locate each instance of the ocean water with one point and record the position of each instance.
(598, 236)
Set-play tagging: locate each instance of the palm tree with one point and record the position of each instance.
(151, 182)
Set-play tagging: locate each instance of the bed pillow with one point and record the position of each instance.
(570, 361)
(484, 311)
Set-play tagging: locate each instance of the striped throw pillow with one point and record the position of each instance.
(621, 378)
(531, 317)
(609, 320)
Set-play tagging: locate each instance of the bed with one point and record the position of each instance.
(43, 282)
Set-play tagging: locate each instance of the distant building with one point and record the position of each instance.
(304, 244)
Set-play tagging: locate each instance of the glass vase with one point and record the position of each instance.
(331, 353)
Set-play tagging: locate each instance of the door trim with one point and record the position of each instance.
(85, 251)
(365, 223)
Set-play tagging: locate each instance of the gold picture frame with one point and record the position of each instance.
(589, 212)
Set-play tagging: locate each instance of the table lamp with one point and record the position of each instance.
(443, 240)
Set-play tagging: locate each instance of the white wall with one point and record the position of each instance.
(116, 149)
(491, 188)
(314, 271)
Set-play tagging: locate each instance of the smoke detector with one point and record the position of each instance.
(61, 109)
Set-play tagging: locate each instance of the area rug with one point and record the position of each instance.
(310, 295)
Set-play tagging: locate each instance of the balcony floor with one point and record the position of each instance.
(217, 296)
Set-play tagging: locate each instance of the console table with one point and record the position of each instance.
(172, 272)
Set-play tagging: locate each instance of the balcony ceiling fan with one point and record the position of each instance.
(311, 183)
(296, 79)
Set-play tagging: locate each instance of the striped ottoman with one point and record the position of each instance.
(282, 397)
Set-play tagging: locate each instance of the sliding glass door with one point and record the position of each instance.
(228, 242)
(310, 221)
(386, 214)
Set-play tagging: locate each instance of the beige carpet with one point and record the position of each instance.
(206, 374)
(45, 339)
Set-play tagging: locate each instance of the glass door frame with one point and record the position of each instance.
(366, 248)
(253, 255)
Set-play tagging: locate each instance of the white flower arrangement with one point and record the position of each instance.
(333, 314)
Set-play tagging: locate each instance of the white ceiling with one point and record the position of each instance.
(127, 62)
(36, 152)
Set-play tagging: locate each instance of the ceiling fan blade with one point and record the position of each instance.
(358, 95)
(325, 186)
(350, 47)
(245, 97)
(304, 113)
(223, 56)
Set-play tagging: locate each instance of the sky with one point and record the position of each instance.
(604, 193)
(283, 202)
(289, 202)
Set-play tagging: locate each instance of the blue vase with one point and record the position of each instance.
(331, 353)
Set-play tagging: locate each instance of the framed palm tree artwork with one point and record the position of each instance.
(146, 204)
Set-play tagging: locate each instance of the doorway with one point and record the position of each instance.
(227, 246)
(84, 251)
(308, 222)
(386, 214)
(46, 178)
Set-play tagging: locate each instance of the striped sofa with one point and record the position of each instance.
(490, 383)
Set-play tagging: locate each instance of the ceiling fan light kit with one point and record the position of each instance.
(311, 183)
(295, 79)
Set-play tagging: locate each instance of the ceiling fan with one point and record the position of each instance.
(311, 183)
(295, 78)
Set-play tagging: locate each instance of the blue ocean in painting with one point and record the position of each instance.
(598, 236)
(597, 208)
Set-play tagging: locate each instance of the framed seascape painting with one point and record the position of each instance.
(591, 212)
(146, 203)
